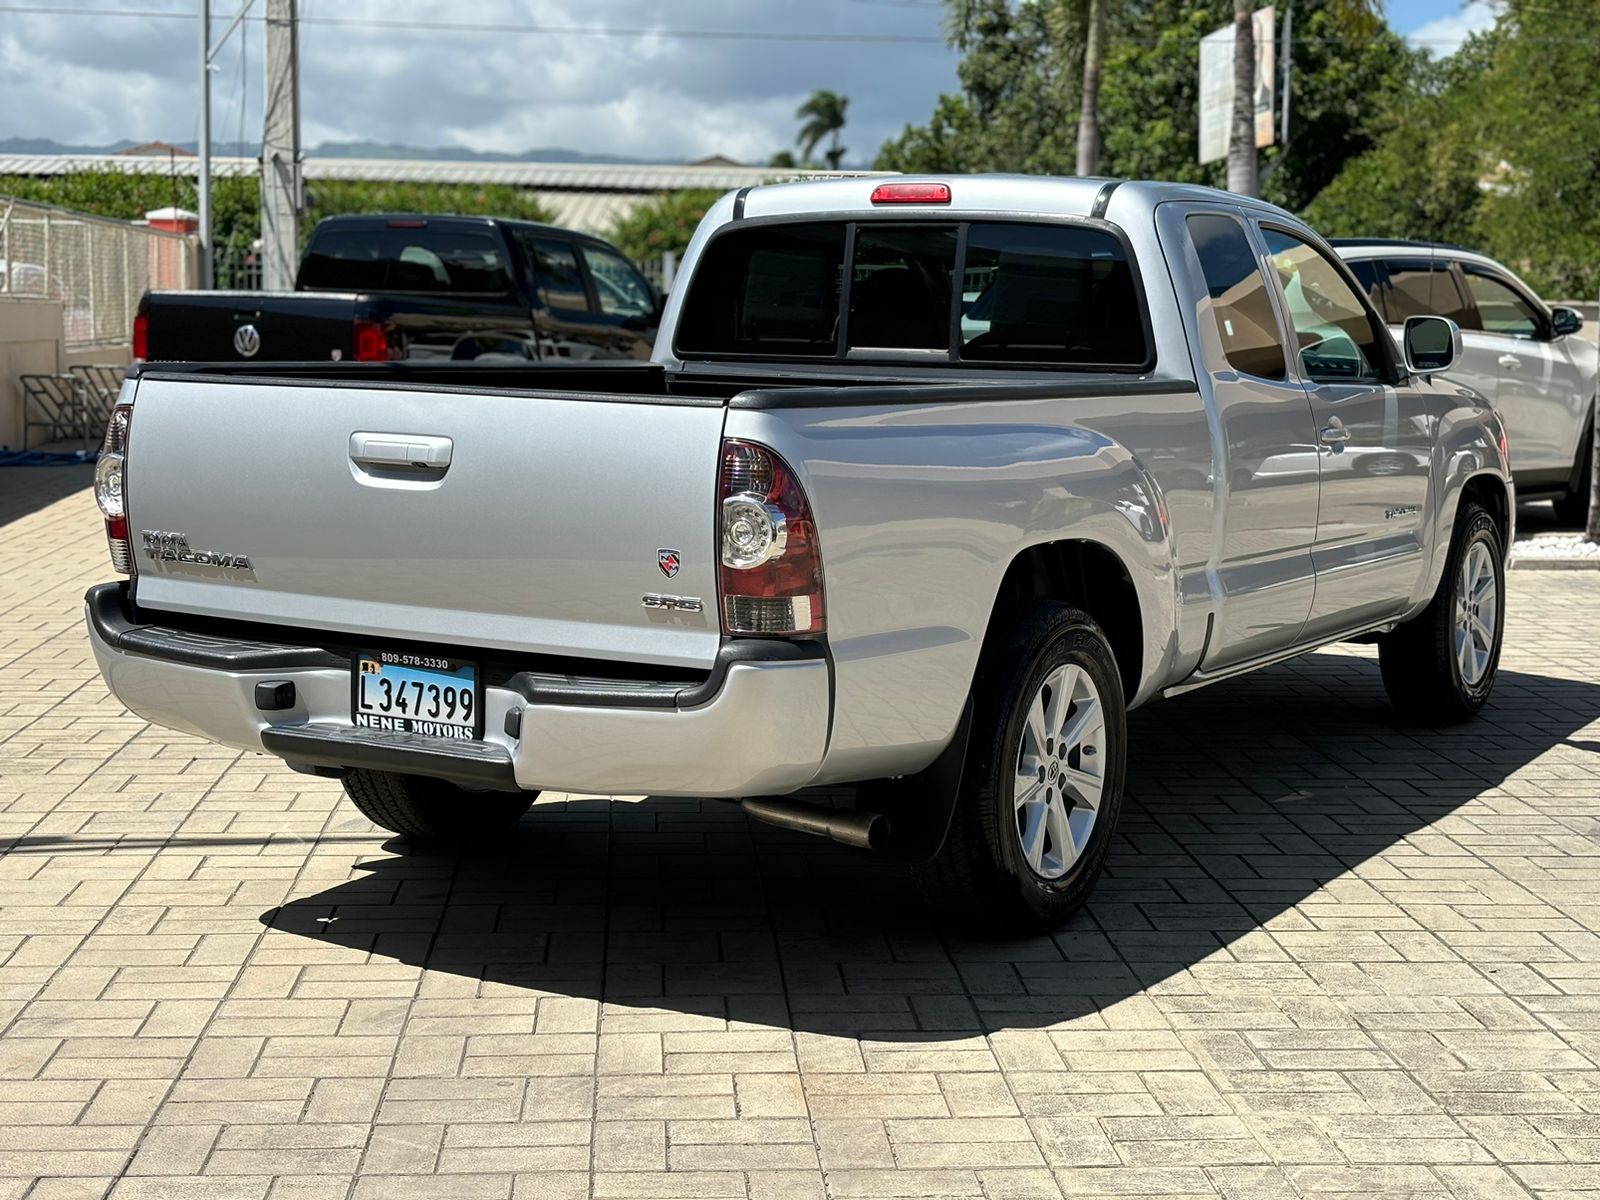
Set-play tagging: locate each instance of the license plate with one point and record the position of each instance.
(417, 693)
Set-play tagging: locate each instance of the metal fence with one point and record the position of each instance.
(96, 268)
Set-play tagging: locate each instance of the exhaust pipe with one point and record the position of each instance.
(847, 826)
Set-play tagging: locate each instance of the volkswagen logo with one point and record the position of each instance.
(247, 340)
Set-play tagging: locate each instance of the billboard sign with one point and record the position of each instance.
(1216, 86)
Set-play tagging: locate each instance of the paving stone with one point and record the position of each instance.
(1332, 956)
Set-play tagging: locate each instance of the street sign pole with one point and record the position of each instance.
(280, 150)
(205, 144)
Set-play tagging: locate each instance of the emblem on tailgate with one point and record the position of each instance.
(165, 546)
(247, 340)
(668, 561)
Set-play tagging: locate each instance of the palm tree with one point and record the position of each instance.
(1242, 174)
(1354, 18)
(1089, 117)
(823, 117)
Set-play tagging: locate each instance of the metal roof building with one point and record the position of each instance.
(587, 196)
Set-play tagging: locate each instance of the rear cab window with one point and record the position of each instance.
(405, 258)
(980, 292)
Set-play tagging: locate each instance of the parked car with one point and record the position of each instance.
(405, 286)
(1517, 350)
(827, 537)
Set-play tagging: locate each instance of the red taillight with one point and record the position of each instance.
(111, 488)
(141, 337)
(911, 193)
(372, 341)
(770, 572)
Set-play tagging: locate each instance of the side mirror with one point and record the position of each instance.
(1432, 344)
(1565, 320)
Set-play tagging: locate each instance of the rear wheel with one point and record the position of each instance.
(1043, 783)
(431, 810)
(1439, 667)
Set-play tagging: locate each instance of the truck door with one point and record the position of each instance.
(1265, 475)
(1375, 441)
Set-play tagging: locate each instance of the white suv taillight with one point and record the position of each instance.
(770, 576)
(110, 487)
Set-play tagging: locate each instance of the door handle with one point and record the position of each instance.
(1510, 362)
(1334, 431)
(401, 451)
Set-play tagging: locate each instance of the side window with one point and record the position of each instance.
(1239, 299)
(1423, 288)
(1370, 277)
(621, 290)
(554, 266)
(1502, 309)
(1337, 335)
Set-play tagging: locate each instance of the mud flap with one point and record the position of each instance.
(920, 807)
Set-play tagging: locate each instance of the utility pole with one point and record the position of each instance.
(280, 150)
(205, 144)
(208, 58)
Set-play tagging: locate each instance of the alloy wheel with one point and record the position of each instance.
(1477, 613)
(1060, 771)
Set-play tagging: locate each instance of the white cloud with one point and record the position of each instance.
(1444, 35)
(82, 79)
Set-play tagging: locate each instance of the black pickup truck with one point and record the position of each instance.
(407, 286)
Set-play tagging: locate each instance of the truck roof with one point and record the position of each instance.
(445, 221)
(1002, 193)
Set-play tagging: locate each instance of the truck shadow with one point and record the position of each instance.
(1244, 801)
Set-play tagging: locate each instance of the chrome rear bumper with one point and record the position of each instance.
(757, 725)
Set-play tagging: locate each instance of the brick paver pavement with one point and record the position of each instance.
(1329, 959)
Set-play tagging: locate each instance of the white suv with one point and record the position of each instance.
(1520, 354)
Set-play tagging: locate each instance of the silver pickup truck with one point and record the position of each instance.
(928, 483)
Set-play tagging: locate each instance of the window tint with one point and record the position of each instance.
(1501, 308)
(1059, 294)
(1338, 340)
(1239, 299)
(1028, 293)
(405, 260)
(900, 287)
(1371, 280)
(554, 267)
(1419, 288)
(620, 289)
(768, 290)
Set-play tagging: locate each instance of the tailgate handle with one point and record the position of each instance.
(400, 451)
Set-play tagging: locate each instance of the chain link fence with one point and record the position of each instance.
(96, 268)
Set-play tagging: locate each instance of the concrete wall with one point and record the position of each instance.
(30, 341)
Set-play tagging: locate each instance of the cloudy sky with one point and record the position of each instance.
(664, 84)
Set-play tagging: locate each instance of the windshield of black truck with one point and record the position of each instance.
(405, 260)
(1013, 293)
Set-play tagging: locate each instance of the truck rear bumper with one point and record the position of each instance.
(757, 726)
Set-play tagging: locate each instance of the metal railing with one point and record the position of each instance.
(96, 268)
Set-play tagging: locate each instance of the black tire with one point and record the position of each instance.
(431, 810)
(1573, 508)
(981, 877)
(1422, 672)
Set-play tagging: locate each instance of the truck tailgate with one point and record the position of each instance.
(539, 526)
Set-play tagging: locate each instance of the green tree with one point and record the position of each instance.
(1020, 93)
(783, 159)
(822, 117)
(666, 222)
